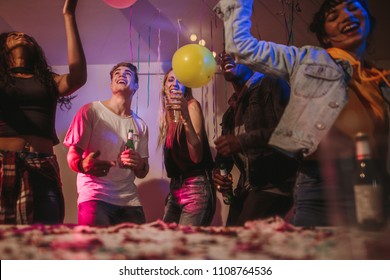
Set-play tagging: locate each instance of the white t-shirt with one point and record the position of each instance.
(95, 127)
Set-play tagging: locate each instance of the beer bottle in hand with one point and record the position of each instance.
(367, 188)
(130, 141)
(227, 195)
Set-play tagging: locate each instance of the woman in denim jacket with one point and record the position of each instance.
(335, 93)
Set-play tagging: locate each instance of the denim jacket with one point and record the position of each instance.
(258, 110)
(318, 83)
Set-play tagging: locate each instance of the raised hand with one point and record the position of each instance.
(227, 145)
(69, 7)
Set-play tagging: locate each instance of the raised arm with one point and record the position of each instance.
(77, 76)
(265, 57)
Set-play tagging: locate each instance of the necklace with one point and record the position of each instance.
(21, 70)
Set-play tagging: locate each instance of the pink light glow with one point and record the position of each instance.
(120, 4)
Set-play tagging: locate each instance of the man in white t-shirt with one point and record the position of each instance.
(106, 170)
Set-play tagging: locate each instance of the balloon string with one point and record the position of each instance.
(130, 34)
(150, 29)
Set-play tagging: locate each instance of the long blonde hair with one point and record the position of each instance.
(163, 115)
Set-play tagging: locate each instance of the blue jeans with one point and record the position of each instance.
(191, 201)
(324, 195)
(48, 203)
(100, 213)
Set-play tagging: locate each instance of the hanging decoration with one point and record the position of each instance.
(120, 4)
(131, 34)
(159, 45)
(193, 65)
(149, 33)
(138, 63)
(131, 48)
(289, 9)
(178, 32)
(215, 124)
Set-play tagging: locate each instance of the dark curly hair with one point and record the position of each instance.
(39, 65)
(317, 26)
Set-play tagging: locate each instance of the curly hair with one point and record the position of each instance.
(317, 26)
(39, 65)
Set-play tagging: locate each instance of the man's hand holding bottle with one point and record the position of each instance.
(131, 159)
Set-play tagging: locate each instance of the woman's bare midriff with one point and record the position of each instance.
(34, 144)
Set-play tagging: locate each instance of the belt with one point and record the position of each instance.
(31, 155)
(24, 154)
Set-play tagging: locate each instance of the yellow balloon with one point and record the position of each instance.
(193, 65)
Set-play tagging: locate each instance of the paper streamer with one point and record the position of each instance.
(159, 44)
(131, 34)
(213, 86)
(138, 66)
(178, 33)
(149, 33)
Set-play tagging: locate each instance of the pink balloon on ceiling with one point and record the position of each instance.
(120, 4)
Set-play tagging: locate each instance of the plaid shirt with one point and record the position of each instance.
(16, 186)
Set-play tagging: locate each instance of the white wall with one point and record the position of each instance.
(154, 188)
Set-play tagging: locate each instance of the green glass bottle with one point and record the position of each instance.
(227, 195)
(130, 140)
